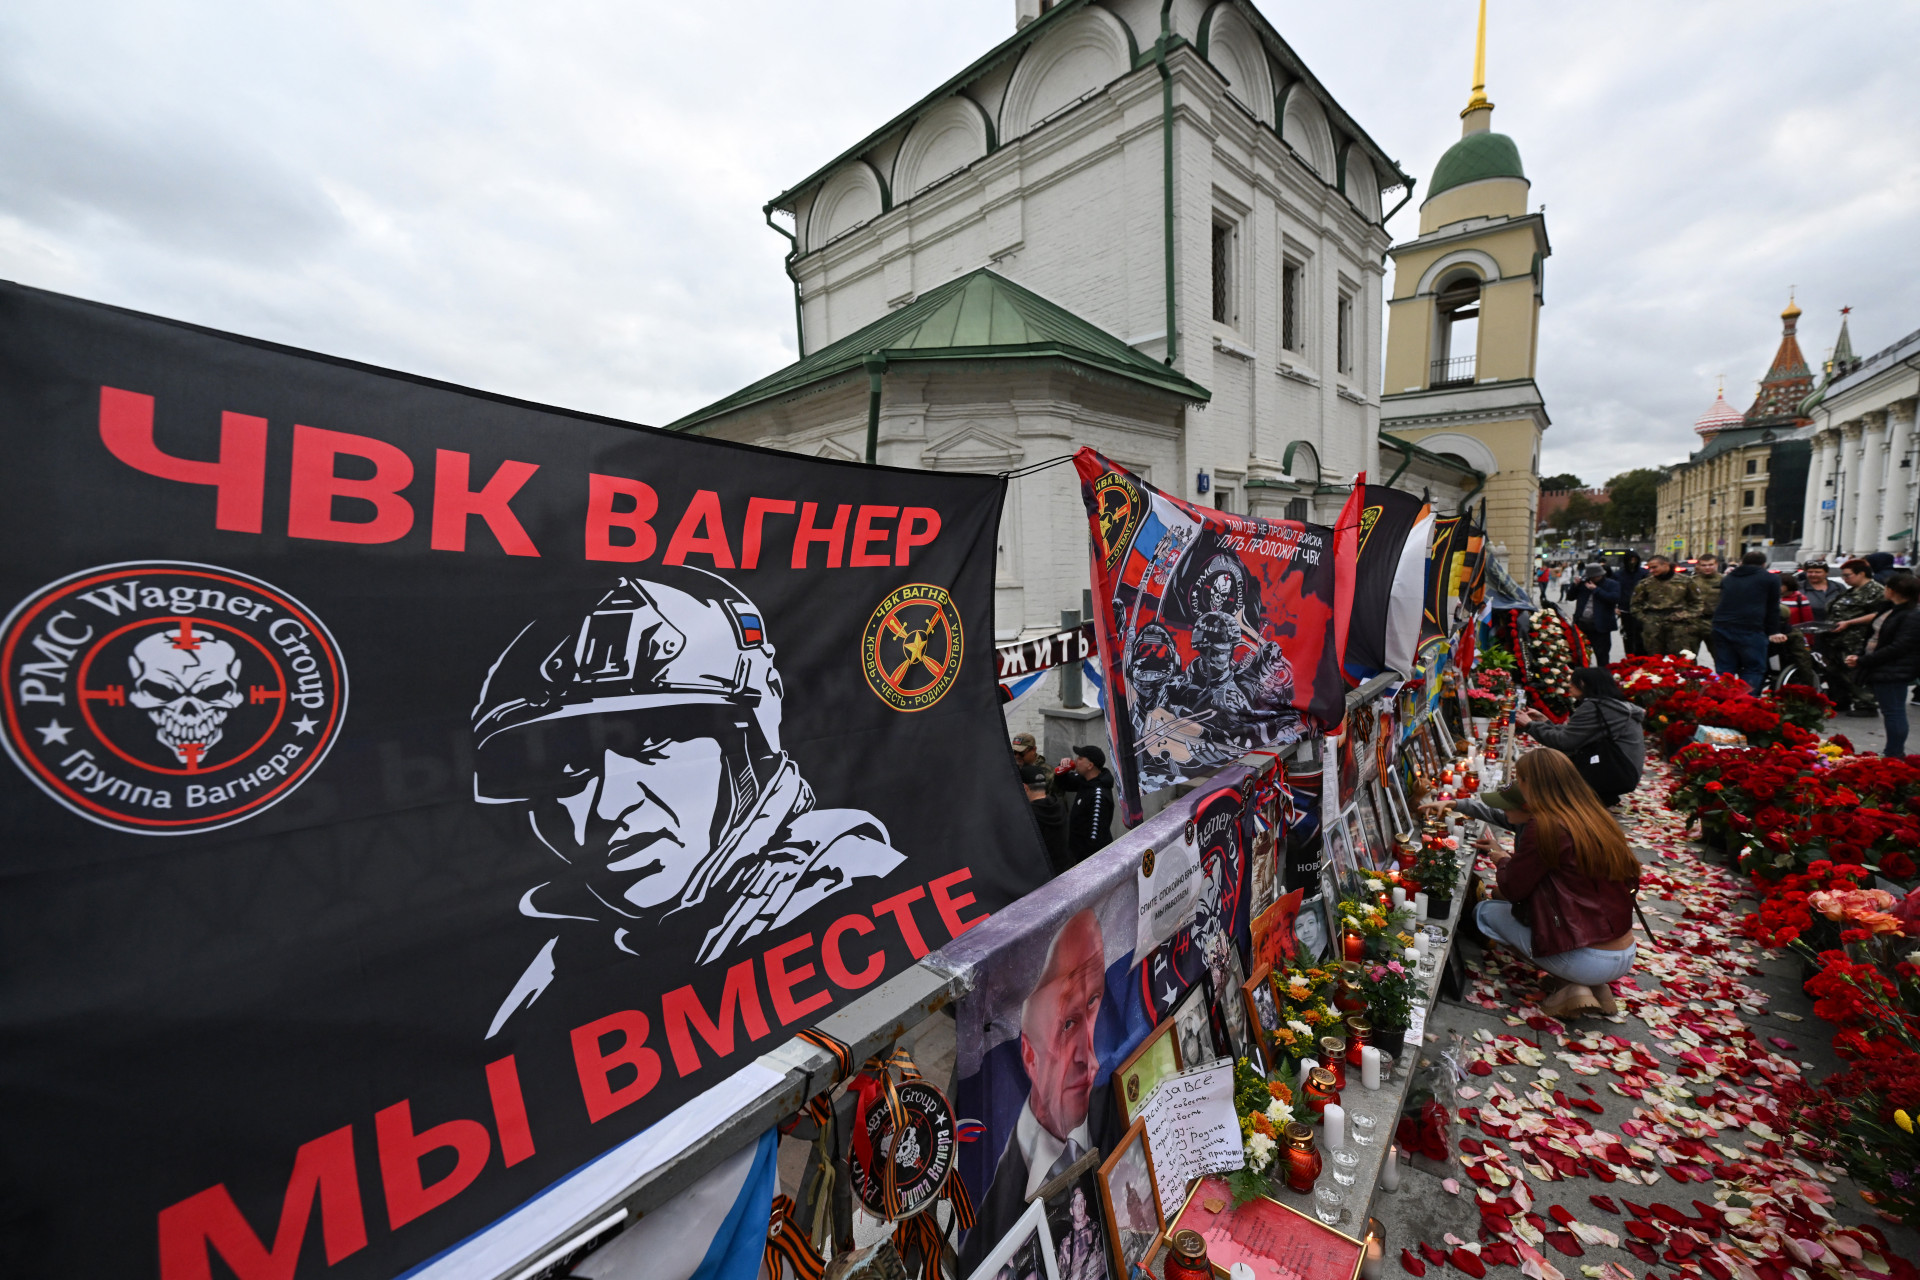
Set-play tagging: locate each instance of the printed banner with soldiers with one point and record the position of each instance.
(416, 793)
(1220, 634)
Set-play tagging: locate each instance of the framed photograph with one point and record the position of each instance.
(1193, 1037)
(1256, 997)
(1443, 736)
(1024, 1253)
(1329, 908)
(1402, 811)
(1148, 1065)
(1079, 1229)
(1340, 852)
(1264, 864)
(1130, 1198)
(1241, 1039)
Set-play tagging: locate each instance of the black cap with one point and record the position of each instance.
(1094, 754)
(1035, 775)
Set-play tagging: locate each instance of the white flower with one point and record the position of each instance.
(1376, 885)
(1299, 1028)
(1259, 1152)
(1279, 1113)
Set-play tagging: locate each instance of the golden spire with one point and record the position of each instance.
(1477, 100)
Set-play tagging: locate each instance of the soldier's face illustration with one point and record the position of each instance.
(642, 816)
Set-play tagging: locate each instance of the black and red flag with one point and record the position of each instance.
(1389, 581)
(1219, 633)
(414, 793)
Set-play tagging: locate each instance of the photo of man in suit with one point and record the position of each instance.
(1058, 1054)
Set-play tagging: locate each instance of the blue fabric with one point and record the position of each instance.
(1892, 698)
(1749, 601)
(1606, 598)
(740, 1244)
(1587, 966)
(1741, 652)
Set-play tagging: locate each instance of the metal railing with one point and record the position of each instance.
(1451, 373)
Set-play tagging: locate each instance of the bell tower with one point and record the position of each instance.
(1463, 325)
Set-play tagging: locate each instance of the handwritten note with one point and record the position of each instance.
(1192, 1130)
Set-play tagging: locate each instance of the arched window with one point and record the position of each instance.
(1456, 331)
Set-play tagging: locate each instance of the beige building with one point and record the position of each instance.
(1463, 326)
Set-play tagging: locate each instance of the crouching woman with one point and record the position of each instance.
(1566, 892)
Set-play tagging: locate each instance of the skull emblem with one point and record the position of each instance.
(187, 687)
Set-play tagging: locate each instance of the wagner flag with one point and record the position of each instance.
(1220, 633)
(1389, 580)
(415, 793)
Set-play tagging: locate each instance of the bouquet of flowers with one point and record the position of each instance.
(1546, 649)
(1647, 680)
(1436, 868)
(1390, 992)
(1264, 1107)
(1487, 693)
(1385, 928)
(1305, 1012)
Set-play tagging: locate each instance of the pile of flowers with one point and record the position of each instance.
(1491, 686)
(1647, 680)
(1546, 649)
(1265, 1107)
(1726, 702)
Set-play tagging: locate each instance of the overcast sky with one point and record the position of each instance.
(562, 201)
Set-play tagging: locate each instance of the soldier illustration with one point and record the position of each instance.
(640, 734)
(1248, 701)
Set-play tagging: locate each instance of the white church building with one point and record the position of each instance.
(1167, 244)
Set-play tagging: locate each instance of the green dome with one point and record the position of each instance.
(1474, 157)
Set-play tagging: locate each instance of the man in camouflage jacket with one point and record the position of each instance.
(1854, 609)
(1706, 598)
(1664, 603)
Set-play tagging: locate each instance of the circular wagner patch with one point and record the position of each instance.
(921, 1155)
(163, 698)
(1119, 506)
(911, 650)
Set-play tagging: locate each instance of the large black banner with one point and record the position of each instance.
(414, 793)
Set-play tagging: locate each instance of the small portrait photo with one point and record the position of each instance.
(1130, 1196)
(1312, 940)
(1372, 834)
(1195, 1035)
(1024, 1253)
(1341, 858)
(1256, 995)
(1397, 802)
(1233, 1010)
(1151, 1063)
(1079, 1232)
(1264, 867)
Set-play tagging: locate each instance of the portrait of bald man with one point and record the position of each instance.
(1058, 1054)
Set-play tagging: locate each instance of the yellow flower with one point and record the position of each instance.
(1904, 1120)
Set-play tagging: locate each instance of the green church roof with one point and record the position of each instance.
(979, 316)
(1474, 157)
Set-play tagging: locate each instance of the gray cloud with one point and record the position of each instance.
(562, 202)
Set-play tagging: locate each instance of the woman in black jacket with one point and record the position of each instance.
(1892, 659)
(1602, 712)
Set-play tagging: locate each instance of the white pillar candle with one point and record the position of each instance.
(1390, 1172)
(1415, 953)
(1370, 1066)
(1306, 1067)
(1370, 1262)
(1420, 906)
(1399, 897)
(1335, 1122)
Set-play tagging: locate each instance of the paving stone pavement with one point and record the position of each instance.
(1704, 984)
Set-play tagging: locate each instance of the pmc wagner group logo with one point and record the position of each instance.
(164, 698)
(910, 651)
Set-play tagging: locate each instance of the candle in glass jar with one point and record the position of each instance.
(1335, 1120)
(1390, 1172)
(1370, 1066)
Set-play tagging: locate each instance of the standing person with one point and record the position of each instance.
(1819, 590)
(1854, 609)
(1050, 812)
(1891, 660)
(1664, 603)
(1085, 774)
(1797, 610)
(1601, 712)
(1706, 599)
(1746, 618)
(1630, 576)
(1566, 891)
(1594, 602)
(1542, 580)
(1881, 564)
(1025, 750)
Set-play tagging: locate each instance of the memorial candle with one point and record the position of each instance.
(1370, 1066)
(1420, 906)
(1335, 1133)
(1399, 897)
(1390, 1172)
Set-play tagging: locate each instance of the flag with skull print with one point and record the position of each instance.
(1220, 634)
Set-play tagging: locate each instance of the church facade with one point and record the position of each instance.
(1167, 244)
